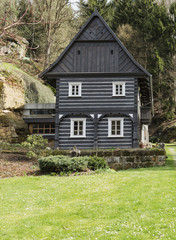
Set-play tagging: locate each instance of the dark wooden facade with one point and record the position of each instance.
(99, 64)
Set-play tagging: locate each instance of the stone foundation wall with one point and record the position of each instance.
(147, 159)
(121, 159)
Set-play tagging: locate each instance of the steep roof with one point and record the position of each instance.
(83, 35)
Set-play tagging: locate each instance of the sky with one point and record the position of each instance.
(74, 4)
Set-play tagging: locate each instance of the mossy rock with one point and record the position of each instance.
(35, 90)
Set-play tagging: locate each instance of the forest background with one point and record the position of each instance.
(146, 27)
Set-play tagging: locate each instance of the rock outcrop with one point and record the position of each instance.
(16, 89)
(15, 48)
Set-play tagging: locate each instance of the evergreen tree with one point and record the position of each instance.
(156, 30)
(104, 7)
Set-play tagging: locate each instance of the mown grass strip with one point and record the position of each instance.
(133, 204)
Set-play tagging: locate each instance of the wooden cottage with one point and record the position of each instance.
(103, 96)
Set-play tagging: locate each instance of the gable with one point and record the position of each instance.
(96, 30)
(95, 49)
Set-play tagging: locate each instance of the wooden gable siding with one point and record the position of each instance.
(96, 94)
(96, 57)
(125, 63)
(96, 31)
(96, 50)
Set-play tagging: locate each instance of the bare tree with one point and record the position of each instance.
(9, 21)
(53, 14)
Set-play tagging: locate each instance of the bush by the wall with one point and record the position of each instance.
(95, 163)
(62, 163)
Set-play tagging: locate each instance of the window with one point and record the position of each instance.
(118, 89)
(75, 89)
(42, 128)
(115, 127)
(78, 127)
(42, 111)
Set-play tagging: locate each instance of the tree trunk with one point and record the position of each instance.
(48, 47)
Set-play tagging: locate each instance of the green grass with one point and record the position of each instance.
(134, 204)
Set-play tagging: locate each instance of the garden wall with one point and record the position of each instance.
(136, 159)
(131, 158)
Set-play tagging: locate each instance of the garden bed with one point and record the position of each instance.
(12, 165)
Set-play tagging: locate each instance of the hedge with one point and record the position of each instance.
(62, 163)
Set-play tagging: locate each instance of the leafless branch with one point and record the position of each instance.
(9, 24)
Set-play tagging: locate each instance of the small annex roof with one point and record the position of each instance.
(94, 14)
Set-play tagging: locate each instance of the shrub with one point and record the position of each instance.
(66, 164)
(62, 163)
(31, 154)
(95, 163)
(36, 144)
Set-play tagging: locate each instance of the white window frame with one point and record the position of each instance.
(121, 127)
(72, 120)
(114, 85)
(70, 86)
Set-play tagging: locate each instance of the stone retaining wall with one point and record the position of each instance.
(138, 159)
(120, 159)
(12, 127)
(7, 133)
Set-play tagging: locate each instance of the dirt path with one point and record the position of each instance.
(173, 152)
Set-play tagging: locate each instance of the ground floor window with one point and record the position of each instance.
(78, 127)
(42, 128)
(115, 127)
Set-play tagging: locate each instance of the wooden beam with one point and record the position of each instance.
(97, 41)
(55, 75)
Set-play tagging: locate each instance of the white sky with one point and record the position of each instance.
(74, 4)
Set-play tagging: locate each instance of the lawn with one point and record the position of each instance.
(132, 204)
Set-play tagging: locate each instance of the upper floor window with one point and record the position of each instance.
(118, 89)
(75, 89)
(78, 127)
(115, 127)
